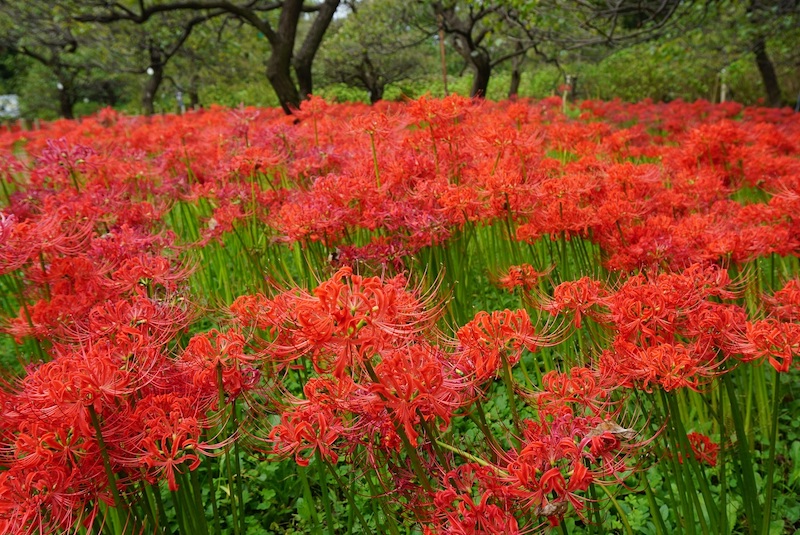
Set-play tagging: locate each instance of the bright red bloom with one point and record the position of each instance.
(704, 450)
(490, 337)
(305, 431)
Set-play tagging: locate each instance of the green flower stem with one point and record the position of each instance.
(749, 489)
(509, 383)
(472, 458)
(773, 442)
(309, 499)
(346, 489)
(112, 480)
(622, 516)
(326, 499)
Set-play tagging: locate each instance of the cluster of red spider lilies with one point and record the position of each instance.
(485, 318)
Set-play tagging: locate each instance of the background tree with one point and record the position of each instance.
(764, 18)
(375, 46)
(477, 33)
(285, 54)
(35, 30)
(146, 49)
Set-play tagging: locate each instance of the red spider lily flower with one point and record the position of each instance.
(580, 387)
(48, 499)
(438, 111)
(213, 353)
(561, 458)
(578, 298)
(471, 502)
(305, 431)
(716, 325)
(347, 318)
(415, 382)
(60, 161)
(522, 276)
(143, 273)
(703, 449)
(160, 434)
(670, 366)
(489, 338)
(461, 514)
(140, 321)
(777, 341)
(37, 445)
(63, 390)
(785, 303)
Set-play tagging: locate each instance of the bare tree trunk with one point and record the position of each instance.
(442, 57)
(151, 86)
(516, 73)
(767, 70)
(305, 82)
(513, 87)
(66, 102)
(279, 64)
(480, 81)
(305, 56)
(375, 93)
(280, 78)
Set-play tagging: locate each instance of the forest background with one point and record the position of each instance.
(72, 58)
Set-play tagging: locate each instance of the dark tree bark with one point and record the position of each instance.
(767, 70)
(66, 100)
(376, 94)
(279, 64)
(482, 68)
(280, 78)
(153, 82)
(305, 56)
(513, 87)
(516, 73)
(109, 94)
(193, 93)
(151, 86)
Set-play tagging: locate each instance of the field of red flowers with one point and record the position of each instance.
(434, 317)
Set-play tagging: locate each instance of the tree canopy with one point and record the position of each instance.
(101, 51)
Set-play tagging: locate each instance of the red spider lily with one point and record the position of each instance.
(48, 499)
(703, 449)
(716, 325)
(669, 365)
(378, 252)
(438, 111)
(140, 321)
(60, 161)
(777, 341)
(347, 317)
(523, 276)
(162, 433)
(472, 501)
(554, 462)
(416, 382)
(579, 387)
(37, 446)
(460, 514)
(489, 338)
(143, 273)
(212, 355)
(307, 430)
(578, 298)
(785, 303)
